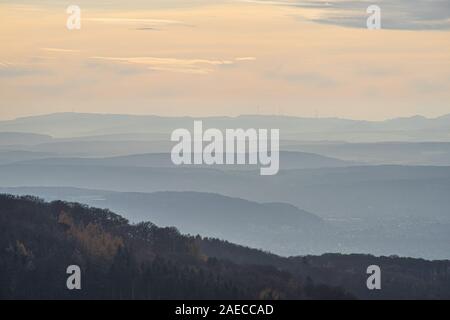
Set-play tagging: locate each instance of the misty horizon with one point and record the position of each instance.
(205, 116)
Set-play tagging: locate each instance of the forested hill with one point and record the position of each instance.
(39, 240)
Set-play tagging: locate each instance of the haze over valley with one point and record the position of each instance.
(382, 198)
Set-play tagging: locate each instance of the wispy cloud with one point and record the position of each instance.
(60, 50)
(5, 64)
(192, 66)
(245, 59)
(396, 14)
(310, 4)
(138, 23)
(154, 22)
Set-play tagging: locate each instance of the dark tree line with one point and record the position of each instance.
(402, 278)
(39, 240)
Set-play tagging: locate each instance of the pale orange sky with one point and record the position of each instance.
(226, 58)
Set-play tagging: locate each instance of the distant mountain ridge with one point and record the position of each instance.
(288, 160)
(308, 154)
(23, 138)
(62, 125)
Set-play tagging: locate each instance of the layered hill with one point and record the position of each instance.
(119, 260)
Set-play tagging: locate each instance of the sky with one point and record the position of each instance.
(226, 57)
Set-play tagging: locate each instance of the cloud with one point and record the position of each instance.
(60, 50)
(191, 66)
(154, 22)
(245, 59)
(395, 14)
(147, 29)
(140, 23)
(291, 3)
